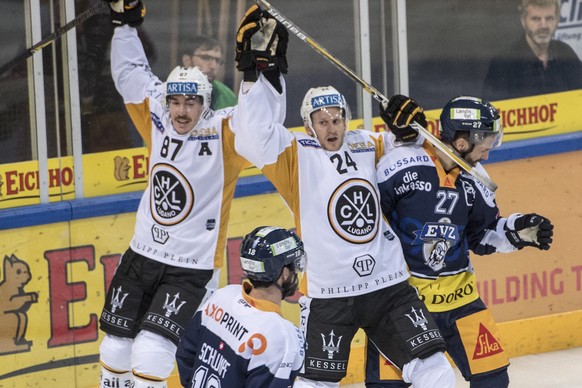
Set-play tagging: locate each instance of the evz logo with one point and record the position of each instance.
(437, 239)
(172, 197)
(353, 211)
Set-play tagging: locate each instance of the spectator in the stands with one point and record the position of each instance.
(206, 53)
(535, 63)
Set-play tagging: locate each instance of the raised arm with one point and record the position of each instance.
(261, 46)
(259, 137)
(129, 67)
(130, 70)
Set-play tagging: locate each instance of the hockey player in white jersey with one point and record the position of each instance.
(355, 274)
(238, 338)
(180, 230)
(440, 213)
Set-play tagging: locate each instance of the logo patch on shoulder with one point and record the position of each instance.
(157, 122)
(309, 143)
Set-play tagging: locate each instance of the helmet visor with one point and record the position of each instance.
(487, 130)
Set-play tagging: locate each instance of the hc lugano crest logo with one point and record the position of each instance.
(172, 197)
(353, 211)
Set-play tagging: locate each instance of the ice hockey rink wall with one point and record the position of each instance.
(71, 249)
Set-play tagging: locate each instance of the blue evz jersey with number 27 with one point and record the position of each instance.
(439, 216)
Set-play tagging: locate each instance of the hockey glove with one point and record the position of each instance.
(532, 230)
(398, 113)
(130, 12)
(261, 46)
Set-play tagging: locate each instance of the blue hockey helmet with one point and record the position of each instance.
(473, 115)
(267, 249)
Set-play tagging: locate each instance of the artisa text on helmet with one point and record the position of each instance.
(182, 88)
(330, 99)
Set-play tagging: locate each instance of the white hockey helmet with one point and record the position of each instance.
(188, 81)
(320, 98)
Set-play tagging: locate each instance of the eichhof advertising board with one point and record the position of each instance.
(53, 277)
(54, 280)
(126, 170)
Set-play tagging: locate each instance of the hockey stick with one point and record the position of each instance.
(298, 32)
(52, 37)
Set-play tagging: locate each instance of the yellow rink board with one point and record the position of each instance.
(535, 295)
(125, 170)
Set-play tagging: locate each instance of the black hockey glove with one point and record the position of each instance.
(523, 230)
(130, 12)
(398, 113)
(261, 46)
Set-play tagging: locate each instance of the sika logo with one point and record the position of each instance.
(330, 347)
(353, 211)
(170, 307)
(487, 345)
(115, 302)
(417, 318)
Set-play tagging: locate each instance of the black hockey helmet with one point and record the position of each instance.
(267, 249)
(472, 115)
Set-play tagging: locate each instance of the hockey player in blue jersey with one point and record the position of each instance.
(238, 338)
(440, 213)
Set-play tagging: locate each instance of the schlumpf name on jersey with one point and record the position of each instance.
(212, 357)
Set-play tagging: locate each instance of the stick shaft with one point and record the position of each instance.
(298, 32)
(27, 53)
